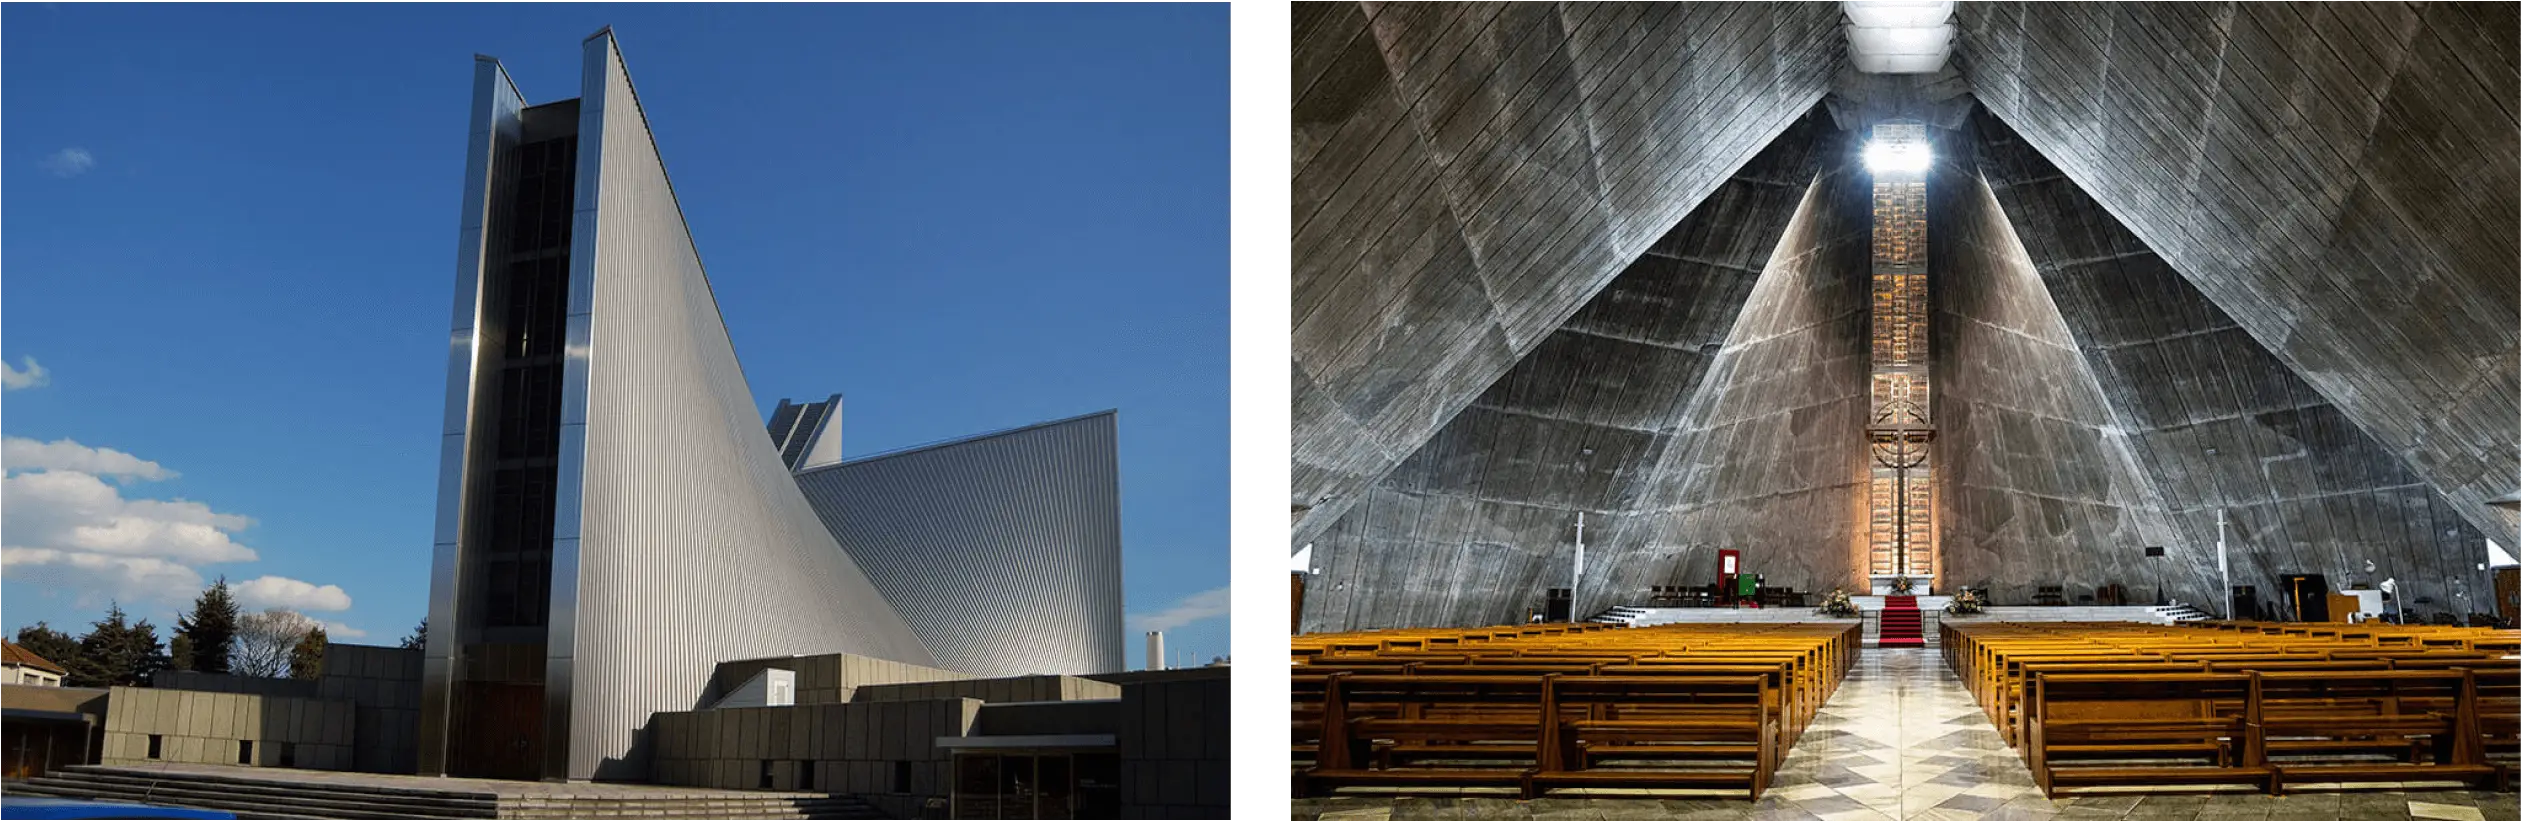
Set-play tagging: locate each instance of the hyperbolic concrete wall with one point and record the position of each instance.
(1475, 524)
(2217, 422)
(2037, 485)
(686, 506)
(1467, 176)
(1771, 458)
(2341, 179)
(1002, 551)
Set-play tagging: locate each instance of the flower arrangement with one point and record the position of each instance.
(1838, 604)
(1968, 603)
(1901, 585)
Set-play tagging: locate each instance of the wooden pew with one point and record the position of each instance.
(1605, 725)
(1503, 715)
(1442, 709)
(2157, 718)
(2312, 725)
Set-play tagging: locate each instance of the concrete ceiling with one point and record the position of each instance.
(2254, 257)
(2343, 180)
(1467, 176)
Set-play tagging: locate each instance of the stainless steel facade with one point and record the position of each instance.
(678, 538)
(1001, 550)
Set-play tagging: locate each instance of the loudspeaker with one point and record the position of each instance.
(2307, 594)
(1561, 606)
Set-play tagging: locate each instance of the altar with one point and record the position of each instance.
(1918, 586)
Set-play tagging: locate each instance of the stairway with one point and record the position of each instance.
(1902, 624)
(1621, 615)
(269, 794)
(2178, 613)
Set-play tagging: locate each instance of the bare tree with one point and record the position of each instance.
(265, 642)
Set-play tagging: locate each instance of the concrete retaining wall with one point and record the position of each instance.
(212, 728)
(884, 752)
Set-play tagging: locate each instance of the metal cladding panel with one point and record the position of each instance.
(694, 545)
(1002, 551)
(496, 125)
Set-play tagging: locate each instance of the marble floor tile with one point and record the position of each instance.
(2446, 812)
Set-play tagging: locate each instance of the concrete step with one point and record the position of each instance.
(326, 800)
(197, 800)
(251, 778)
(274, 797)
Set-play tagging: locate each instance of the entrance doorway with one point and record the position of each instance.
(498, 731)
(1036, 785)
(43, 742)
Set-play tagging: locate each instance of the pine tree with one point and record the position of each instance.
(55, 646)
(117, 652)
(418, 639)
(306, 660)
(211, 627)
(179, 652)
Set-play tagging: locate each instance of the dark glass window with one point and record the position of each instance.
(546, 178)
(530, 288)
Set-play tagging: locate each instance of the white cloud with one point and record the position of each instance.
(74, 511)
(337, 630)
(1196, 607)
(34, 376)
(66, 528)
(27, 454)
(69, 162)
(285, 592)
(94, 577)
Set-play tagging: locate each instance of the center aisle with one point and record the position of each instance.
(1901, 737)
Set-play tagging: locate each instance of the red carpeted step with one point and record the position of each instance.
(1902, 624)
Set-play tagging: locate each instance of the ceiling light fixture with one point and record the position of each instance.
(1899, 149)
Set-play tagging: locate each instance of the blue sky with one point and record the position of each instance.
(230, 239)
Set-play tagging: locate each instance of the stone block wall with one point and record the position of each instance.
(384, 683)
(226, 683)
(1090, 717)
(1175, 745)
(214, 728)
(826, 679)
(882, 751)
(993, 690)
